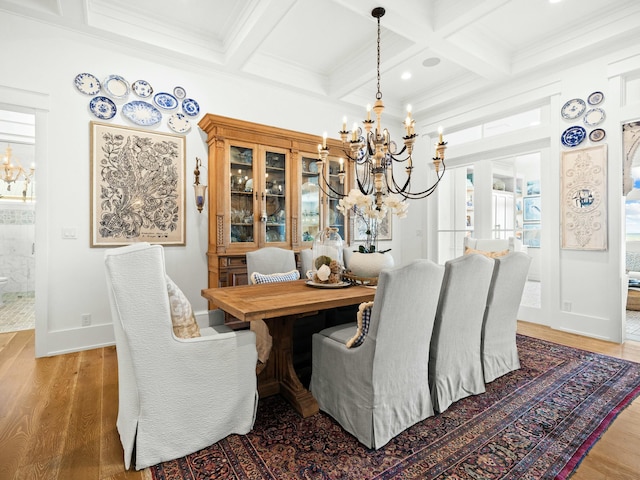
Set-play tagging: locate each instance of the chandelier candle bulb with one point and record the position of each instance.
(324, 140)
(344, 124)
(440, 135)
(368, 112)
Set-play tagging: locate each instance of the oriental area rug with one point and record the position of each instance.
(534, 423)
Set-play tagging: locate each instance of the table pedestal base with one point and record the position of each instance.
(279, 375)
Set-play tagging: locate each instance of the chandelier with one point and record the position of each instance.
(12, 173)
(373, 152)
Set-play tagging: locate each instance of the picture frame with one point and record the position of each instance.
(583, 198)
(360, 228)
(531, 208)
(531, 235)
(137, 186)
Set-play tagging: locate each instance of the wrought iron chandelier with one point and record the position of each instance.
(373, 152)
(11, 172)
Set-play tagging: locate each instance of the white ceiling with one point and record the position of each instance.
(328, 47)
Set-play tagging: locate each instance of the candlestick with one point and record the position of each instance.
(440, 134)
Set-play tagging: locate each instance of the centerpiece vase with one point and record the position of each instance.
(369, 265)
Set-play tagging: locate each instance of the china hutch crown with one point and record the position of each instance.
(264, 190)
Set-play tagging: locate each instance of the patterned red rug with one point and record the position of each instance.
(535, 423)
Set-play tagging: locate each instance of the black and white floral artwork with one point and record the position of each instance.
(137, 186)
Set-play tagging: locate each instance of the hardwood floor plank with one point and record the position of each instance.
(81, 454)
(47, 443)
(13, 348)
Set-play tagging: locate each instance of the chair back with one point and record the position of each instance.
(499, 350)
(494, 244)
(455, 364)
(269, 260)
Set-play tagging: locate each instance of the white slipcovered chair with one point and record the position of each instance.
(455, 362)
(499, 349)
(176, 396)
(380, 388)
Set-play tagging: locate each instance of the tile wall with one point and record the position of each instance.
(17, 245)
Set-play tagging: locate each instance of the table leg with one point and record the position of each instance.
(279, 376)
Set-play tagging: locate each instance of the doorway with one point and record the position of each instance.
(17, 217)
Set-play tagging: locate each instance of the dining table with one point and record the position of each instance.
(280, 305)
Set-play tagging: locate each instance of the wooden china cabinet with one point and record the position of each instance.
(264, 190)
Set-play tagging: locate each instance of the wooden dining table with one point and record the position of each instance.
(280, 305)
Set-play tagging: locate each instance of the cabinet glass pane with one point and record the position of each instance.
(241, 182)
(336, 219)
(310, 201)
(275, 197)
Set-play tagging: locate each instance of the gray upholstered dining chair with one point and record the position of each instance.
(176, 395)
(268, 261)
(499, 349)
(455, 362)
(378, 386)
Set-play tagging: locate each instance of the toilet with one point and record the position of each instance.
(3, 283)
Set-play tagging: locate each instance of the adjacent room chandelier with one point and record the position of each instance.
(373, 152)
(12, 173)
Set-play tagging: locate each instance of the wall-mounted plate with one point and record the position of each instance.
(573, 109)
(116, 86)
(141, 113)
(573, 136)
(87, 83)
(103, 107)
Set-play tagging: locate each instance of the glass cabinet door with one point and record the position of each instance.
(275, 205)
(241, 190)
(335, 218)
(310, 201)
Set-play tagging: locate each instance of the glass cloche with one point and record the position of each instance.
(328, 265)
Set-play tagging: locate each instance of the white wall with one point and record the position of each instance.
(43, 62)
(591, 281)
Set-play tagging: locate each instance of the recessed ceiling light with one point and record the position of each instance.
(406, 76)
(431, 62)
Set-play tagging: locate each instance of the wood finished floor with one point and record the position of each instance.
(58, 414)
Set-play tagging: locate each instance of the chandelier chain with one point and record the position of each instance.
(379, 93)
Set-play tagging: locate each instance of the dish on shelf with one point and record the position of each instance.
(116, 86)
(573, 136)
(179, 123)
(141, 113)
(573, 109)
(190, 107)
(273, 205)
(87, 83)
(597, 135)
(179, 93)
(142, 88)
(102, 107)
(595, 98)
(594, 117)
(273, 236)
(311, 283)
(165, 100)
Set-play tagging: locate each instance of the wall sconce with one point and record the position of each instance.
(200, 190)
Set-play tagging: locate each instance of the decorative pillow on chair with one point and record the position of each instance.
(363, 318)
(184, 322)
(275, 277)
(469, 250)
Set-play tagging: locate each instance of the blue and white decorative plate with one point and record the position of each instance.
(190, 107)
(116, 86)
(595, 98)
(597, 134)
(102, 107)
(179, 123)
(87, 83)
(165, 100)
(142, 88)
(573, 109)
(179, 93)
(573, 136)
(594, 117)
(141, 113)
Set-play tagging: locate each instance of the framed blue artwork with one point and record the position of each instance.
(531, 207)
(531, 235)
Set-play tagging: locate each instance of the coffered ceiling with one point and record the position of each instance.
(453, 49)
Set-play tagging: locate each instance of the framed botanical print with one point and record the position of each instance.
(137, 186)
(532, 208)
